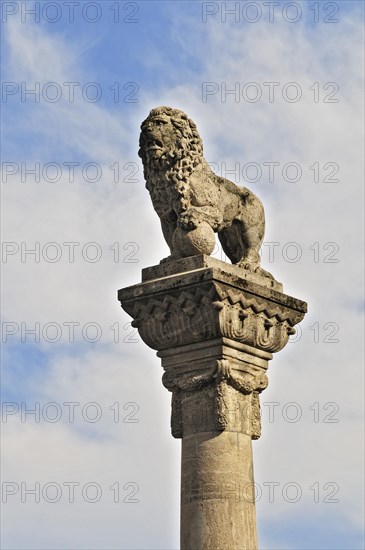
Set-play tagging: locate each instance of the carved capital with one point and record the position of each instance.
(215, 394)
(215, 381)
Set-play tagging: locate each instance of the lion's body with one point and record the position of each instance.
(185, 192)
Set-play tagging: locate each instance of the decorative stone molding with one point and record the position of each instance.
(215, 386)
(208, 303)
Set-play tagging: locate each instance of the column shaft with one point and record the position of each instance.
(217, 496)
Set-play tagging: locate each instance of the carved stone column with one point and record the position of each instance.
(215, 327)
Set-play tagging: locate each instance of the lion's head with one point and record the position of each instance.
(170, 146)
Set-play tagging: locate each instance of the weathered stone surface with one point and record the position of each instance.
(215, 327)
(217, 492)
(174, 267)
(193, 202)
(207, 303)
(215, 387)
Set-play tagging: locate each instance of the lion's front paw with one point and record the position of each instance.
(188, 220)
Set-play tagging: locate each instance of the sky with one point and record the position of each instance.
(275, 89)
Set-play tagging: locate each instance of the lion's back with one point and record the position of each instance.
(235, 201)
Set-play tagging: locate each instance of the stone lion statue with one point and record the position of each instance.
(192, 202)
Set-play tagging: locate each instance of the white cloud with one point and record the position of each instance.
(104, 453)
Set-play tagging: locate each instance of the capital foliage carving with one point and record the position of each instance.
(239, 411)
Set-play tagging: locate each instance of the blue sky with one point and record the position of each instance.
(165, 58)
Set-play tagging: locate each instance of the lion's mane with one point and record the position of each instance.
(172, 170)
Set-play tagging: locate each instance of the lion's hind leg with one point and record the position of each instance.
(232, 243)
(241, 245)
(252, 239)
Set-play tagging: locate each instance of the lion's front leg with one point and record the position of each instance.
(168, 229)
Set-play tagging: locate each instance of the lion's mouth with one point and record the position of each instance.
(156, 144)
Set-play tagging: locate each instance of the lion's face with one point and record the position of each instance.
(167, 137)
(160, 142)
(159, 139)
(159, 136)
